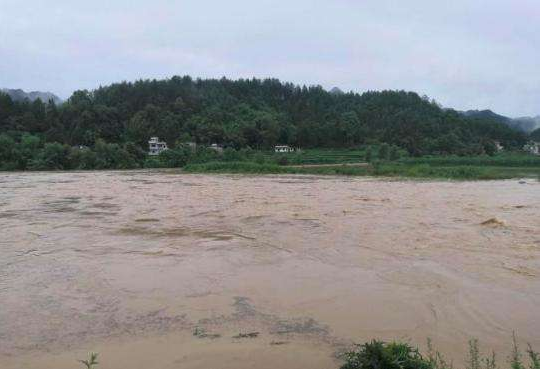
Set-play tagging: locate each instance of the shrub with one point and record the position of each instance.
(174, 158)
(368, 155)
(52, 156)
(7, 147)
(153, 162)
(394, 153)
(283, 160)
(83, 158)
(230, 154)
(384, 151)
(380, 355)
(112, 156)
(259, 158)
(204, 155)
(396, 355)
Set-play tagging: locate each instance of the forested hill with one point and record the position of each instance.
(254, 113)
(20, 95)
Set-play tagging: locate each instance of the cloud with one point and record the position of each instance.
(465, 54)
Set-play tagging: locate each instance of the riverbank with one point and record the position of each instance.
(405, 170)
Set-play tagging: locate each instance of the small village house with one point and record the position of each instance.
(216, 147)
(532, 148)
(283, 148)
(79, 147)
(499, 146)
(155, 146)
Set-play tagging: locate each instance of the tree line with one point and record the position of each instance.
(245, 113)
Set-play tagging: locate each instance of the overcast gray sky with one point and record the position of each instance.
(464, 53)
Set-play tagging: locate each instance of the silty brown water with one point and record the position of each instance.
(167, 270)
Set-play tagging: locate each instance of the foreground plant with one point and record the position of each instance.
(381, 355)
(91, 362)
(397, 355)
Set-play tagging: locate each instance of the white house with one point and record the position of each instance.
(532, 148)
(283, 148)
(499, 146)
(155, 146)
(216, 147)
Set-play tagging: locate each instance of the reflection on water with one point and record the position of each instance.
(281, 269)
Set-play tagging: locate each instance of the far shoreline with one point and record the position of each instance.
(318, 170)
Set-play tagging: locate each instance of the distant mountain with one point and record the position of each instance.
(528, 124)
(524, 124)
(336, 91)
(487, 114)
(20, 95)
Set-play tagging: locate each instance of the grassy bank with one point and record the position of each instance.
(399, 355)
(338, 156)
(516, 160)
(321, 156)
(457, 172)
(462, 172)
(378, 152)
(384, 161)
(269, 168)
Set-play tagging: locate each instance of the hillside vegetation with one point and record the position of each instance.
(250, 113)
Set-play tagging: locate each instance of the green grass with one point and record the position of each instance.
(321, 156)
(458, 172)
(235, 167)
(340, 156)
(501, 166)
(500, 160)
(255, 168)
(387, 169)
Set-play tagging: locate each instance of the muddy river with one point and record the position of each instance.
(158, 269)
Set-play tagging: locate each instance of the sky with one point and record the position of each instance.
(466, 54)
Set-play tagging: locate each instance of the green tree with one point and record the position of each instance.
(384, 151)
(143, 125)
(369, 154)
(490, 148)
(53, 156)
(109, 156)
(27, 150)
(175, 158)
(230, 154)
(249, 113)
(84, 158)
(7, 152)
(394, 153)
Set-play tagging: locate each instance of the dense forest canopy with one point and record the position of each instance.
(252, 113)
(535, 135)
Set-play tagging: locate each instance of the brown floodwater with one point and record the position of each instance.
(159, 269)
